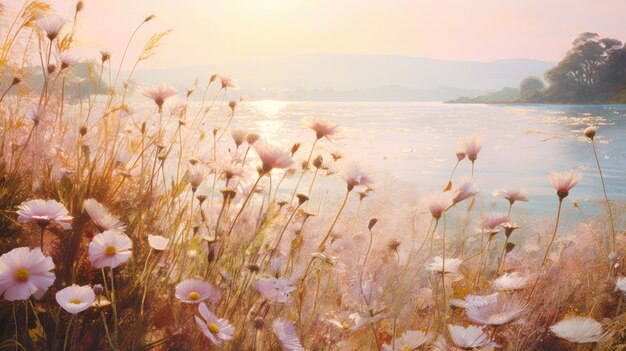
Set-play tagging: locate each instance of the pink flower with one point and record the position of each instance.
(43, 212)
(286, 334)
(322, 128)
(274, 289)
(66, 60)
(238, 135)
(496, 313)
(196, 290)
(109, 249)
(469, 338)
(51, 25)
(563, 182)
(511, 195)
(228, 82)
(472, 145)
(159, 94)
(216, 329)
(355, 176)
(75, 299)
(475, 300)
(101, 216)
(24, 272)
(272, 156)
(438, 202)
(493, 220)
(465, 191)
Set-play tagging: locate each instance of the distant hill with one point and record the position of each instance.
(357, 77)
(504, 95)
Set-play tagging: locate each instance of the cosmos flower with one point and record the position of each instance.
(157, 242)
(472, 337)
(465, 191)
(196, 174)
(511, 281)
(24, 272)
(286, 334)
(438, 202)
(475, 300)
(563, 182)
(322, 127)
(275, 289)
(355, 176)
(493, 220)
(109, 249)
(496, 313)
(75, 299)
(101, 217)
(272, 156)
(51, 25)
(43, 212)
(410, 340)
(228, 82)
(511, 195)
(578, 330)
(472, 145)
(159, 94)
(216, 329)
(196, 290)
(437, 265)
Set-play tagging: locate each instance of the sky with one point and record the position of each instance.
(220, 31)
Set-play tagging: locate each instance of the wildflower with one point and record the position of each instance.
(509, 228)
(75, 299)
(196, 290)
(216, 329)
(51, 25)
(272, 156)
(157, 242)
(472, 145)
(410, 340)
(43, 212)
(238, 135)
(355, 176)
(511, 195)
(496, 313)
(286, 334)
(511, 281)
(465, 191)
(274, 289)
(563, 182)
(196, 174)
(35, 114)
(322, 128)
(590, 132)
(159, 94)
(101, 216)
(24, 272)
(475, 301)
(109, 249)
(437, 265)
(578, 330)
(438, 202)
(469, 338)
(105, 55)
(493, 220)
(252, 138)
(66, 60)
(228, 82)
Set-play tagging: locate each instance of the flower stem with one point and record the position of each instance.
(608, 203)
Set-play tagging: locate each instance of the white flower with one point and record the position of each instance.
(276, 290)
(472, 337)
(511, 281)
(158, 242)
(75, 299)
(43, 212)
(196, 290)
(101, 216)
(437, 265)
(216, 329)
(109, 249)
(620, 284)
(475, 300)
(51, 25)
(286, 333)
(24, 272)
(410, 340)
(578, 330)
(496, 313)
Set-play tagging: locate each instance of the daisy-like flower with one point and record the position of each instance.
(590, 132)
(196, 174)
(511, 281)
(410, 340)
(275, 289)
(101, 217)
(493, 220)
(24, 272)
(437, 265)
(228, 82)
(578, 330)
(438, 202)
(355, 176)
(511, 195)
(43, 212)
(563, 182)
(465, 191)
(196, 290)
(238, 135)
(157, 242)
(472, 145)
(475, 301)
(159, 94)
(469, 338)
(66, 60)
(51, 25)
(286, 334)
(75, 299)
(272, 156)
(216, 329)
(109, 249)
(497, 313)
(322, 127)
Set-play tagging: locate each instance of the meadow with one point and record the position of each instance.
(160, 226)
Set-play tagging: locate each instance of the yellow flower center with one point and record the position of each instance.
(406, 348)
(193, 295)
(213, 328)
(345, 326)
(75, 301)
(22, 274)
(110, 250)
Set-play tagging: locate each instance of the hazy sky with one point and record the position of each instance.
(218, 31)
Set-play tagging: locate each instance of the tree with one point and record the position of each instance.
(531, 88)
